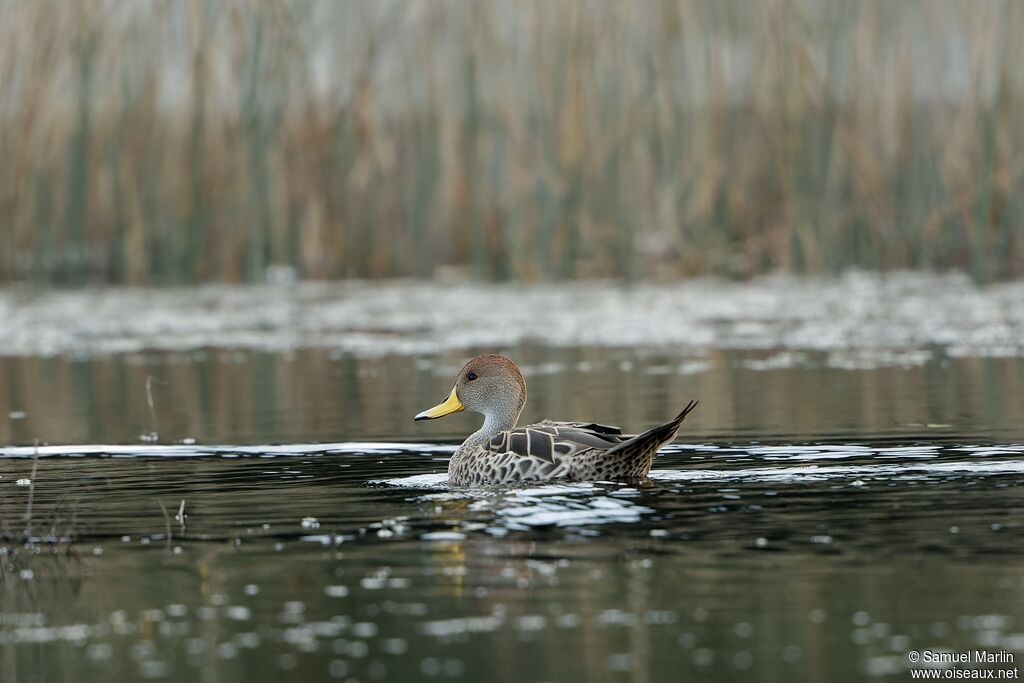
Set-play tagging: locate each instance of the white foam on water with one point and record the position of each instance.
(438, 480)
(564, 505)
(551, 504)
(557, 513)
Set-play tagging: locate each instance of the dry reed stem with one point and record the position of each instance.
(177, 142)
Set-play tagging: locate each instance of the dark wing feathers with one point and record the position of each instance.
(519, 442)
(540, 444)
(585, 437)
(548, 439)
(589, 426)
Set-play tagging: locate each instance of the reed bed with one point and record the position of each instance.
(190, 141)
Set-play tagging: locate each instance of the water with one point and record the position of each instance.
(825, 511)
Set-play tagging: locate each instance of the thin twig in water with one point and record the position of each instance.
(152, 405)
(167, 520)
(181, 515)
(31, 492)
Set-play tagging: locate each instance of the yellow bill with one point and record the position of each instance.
(450, 405)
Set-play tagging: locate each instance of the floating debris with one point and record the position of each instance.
(238, 613)
(443, 536)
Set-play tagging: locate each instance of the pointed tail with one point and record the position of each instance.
(654, 438)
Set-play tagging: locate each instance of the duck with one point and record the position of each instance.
(502, 453)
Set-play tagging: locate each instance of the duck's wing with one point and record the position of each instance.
(552, 450)
(610, 430)
(555, 441)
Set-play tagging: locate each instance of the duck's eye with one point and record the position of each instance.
(471, 376)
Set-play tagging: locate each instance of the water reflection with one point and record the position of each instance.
(489, 609)
(820, 561)
(249, 397)
(817, 540)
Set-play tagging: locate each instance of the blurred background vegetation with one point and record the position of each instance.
(211, 140)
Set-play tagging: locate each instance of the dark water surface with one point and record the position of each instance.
(821, 515)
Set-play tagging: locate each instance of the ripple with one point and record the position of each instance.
(825, 473)
(343, 495)
(194, 451)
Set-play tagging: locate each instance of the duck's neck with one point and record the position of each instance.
(494, 423)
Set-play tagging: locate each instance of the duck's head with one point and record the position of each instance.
(491, 385)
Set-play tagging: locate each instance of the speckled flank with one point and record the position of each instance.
(561, 450)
